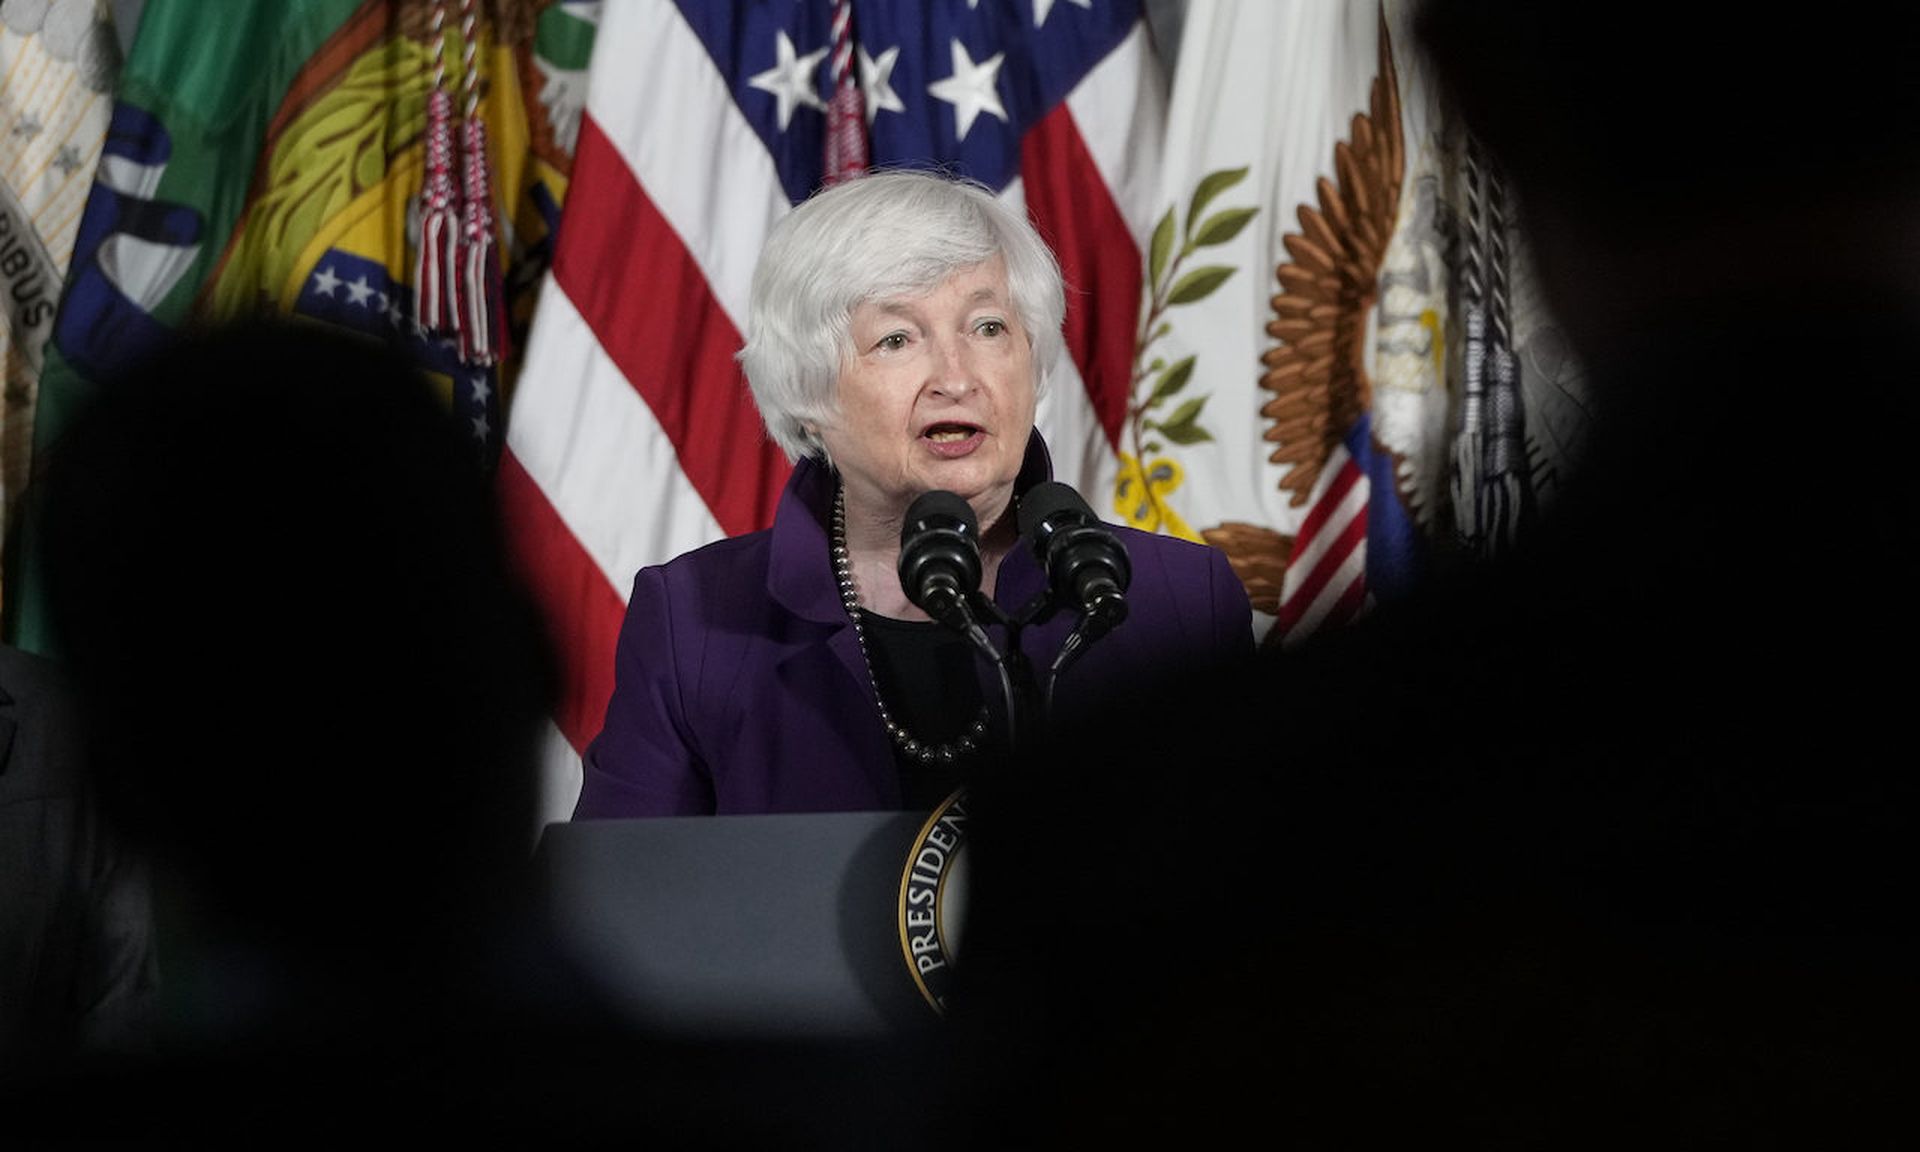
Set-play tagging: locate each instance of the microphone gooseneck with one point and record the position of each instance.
(940, 572)
(940, 556)
(1086, 569)
(1086, 565)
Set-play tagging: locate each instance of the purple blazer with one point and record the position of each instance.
(739, 686)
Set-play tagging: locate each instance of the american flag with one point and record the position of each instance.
(632, 436)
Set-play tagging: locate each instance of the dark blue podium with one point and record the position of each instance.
(826, 925)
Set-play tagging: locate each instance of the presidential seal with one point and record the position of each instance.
(933, 892)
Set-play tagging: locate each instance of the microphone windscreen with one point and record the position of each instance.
(940, 505)
(1048, 499)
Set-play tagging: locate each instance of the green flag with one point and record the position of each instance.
(267, 155)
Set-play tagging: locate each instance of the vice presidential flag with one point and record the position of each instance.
(1322, 239)
(1293, 403)
(632, 437)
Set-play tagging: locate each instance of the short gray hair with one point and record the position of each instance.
(897, 232)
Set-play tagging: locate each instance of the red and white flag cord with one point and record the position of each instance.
(456, 276)
(846, 111)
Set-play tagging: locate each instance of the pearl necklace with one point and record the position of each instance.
(850, 597)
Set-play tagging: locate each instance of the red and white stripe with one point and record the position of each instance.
(1326, 580)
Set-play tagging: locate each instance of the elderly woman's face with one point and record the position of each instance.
(939, 394)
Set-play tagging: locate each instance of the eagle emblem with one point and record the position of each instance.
(1328, 288)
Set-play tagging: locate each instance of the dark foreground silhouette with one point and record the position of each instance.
(1598, 845)
(310, 689)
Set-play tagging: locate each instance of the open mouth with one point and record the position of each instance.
(949, 433)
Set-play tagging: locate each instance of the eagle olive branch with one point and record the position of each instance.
(1167, 287)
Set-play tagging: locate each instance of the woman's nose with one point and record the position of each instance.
(952, 371)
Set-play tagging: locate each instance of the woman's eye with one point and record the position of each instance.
(893, 341)
(991, 327)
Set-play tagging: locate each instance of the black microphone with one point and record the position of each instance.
(1087, 566)
(940, 556)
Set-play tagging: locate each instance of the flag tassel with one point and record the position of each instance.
(482, 328)
(436, 258)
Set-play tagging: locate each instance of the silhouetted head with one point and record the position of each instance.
(311, 684)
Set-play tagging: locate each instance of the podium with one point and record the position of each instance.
(841, 925)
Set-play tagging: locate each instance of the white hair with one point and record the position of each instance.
(888, 233)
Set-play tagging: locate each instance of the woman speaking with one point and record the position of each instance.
(897, 331)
